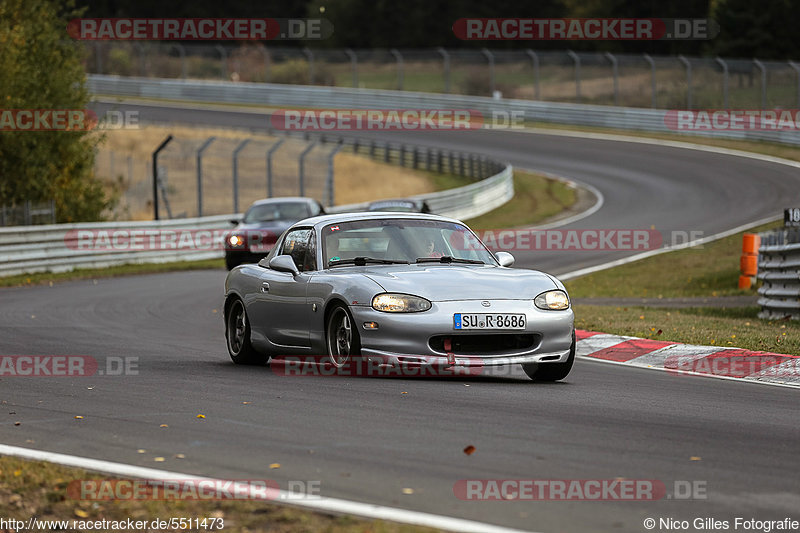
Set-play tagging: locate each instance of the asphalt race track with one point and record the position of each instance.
(363, 439)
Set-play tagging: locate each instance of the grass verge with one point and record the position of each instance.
(536, 198)
(35, 488)
(708, 270)
(731, 327)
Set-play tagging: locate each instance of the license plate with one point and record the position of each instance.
(488, 321)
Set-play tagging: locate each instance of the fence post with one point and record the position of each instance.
(354, 64)
(577, 61)
(182, 53)
(310, 57)
(439, 168)
(688, 66)
(223, 57)
(386, 152)
(161, 146)
(615, 71)
(98, 54)
(271, 151)
(265, 53)
(724, 66)
(236, 174)
(652, 63)
(796, 68)
(52, 211)
(414, 157)
(200, 151)
(535, 59)
(26, 213)
(399, 57)
(142, 62)
(301, 167)
(329, 181)
(490, 59)
(446, 59)
(763, 70)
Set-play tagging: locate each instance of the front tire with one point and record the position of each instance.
(551, 371)
(237, 335)
(341, 337)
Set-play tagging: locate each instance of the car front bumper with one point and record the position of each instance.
(406, 338)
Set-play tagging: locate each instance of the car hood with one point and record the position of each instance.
(440, 283)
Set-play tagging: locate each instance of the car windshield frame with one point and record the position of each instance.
(398, 241)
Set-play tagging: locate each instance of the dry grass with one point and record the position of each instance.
(124, 158)
(34, 488)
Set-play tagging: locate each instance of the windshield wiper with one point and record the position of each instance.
(449, 259)
(361, 261)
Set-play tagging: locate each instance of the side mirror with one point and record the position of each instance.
(504, 258)
(284, 263)
(234, 221)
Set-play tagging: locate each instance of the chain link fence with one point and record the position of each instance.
(212, 176)
(630, 80)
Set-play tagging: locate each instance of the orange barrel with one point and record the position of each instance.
(749, 265)
(744, 282)
(751, 242)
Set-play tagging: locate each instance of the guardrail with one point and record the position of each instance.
(64, 247)
(281, 95)
(779, 269)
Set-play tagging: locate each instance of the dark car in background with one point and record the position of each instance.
(402, 205)
(263, 222)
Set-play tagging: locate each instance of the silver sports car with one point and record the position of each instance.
(397, 289)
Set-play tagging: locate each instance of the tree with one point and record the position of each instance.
(42, 69)
(764, 29)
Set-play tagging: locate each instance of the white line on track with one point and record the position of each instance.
(321, 504)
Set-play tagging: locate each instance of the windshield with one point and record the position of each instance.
(291, 211)
(402, 240)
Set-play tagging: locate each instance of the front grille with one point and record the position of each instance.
(486, 343)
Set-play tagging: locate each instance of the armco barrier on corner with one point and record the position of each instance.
(779, 269)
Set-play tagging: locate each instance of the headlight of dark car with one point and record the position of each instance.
(399, 303)
(235, 241)
(554, 300)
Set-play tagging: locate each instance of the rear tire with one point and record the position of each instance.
(551, 371)
(237, 335)
(341, 336)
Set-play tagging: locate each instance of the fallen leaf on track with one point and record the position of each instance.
(469, 450)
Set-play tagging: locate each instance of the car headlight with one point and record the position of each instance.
(552, 300)
(399, 303)
(235, 241)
